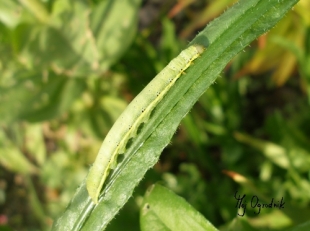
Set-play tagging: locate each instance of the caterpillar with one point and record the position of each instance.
(137, 112)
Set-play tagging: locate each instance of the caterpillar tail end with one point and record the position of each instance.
(92, 187)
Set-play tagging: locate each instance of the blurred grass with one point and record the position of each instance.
(61, 91)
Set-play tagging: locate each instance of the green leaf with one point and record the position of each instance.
(225, 37)
(78, 38)
(237, 224)
(8, 13)
(303, 227)
(36, 98)
(163, 210)
(113, 29)
(275, 153)
(35, 142)
(12, 158)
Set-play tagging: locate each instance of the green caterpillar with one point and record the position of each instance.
(137, 112)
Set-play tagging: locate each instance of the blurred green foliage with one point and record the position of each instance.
(69, 68)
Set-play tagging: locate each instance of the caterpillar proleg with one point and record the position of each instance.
(136, 113)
